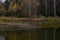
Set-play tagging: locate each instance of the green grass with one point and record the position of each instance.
(48, 22)
(53, 22)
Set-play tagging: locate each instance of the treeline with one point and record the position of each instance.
(49, 8)
(10, 8)
(14, 8)
(20, 8)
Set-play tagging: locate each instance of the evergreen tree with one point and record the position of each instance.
(6, 4)
(41, 8)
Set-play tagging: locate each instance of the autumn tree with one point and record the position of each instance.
(10, 9)
(2, 9)
(14, 9)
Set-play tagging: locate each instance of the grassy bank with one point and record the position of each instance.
(39, 22)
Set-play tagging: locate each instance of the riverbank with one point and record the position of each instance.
(37, 22)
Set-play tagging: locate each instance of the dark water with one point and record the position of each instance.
(48, 34)
(33, 34)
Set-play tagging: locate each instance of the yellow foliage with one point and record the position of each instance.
(13, 7)
(2, 9)
(10, 7)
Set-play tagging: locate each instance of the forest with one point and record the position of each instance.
(22, 8)
(15, 22)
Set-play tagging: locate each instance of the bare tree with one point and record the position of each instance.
(35, 4)
(54, 7)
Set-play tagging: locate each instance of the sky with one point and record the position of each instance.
(3, 0)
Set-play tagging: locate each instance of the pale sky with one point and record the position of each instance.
(3, 0)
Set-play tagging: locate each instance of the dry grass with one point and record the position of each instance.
(40, 22)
